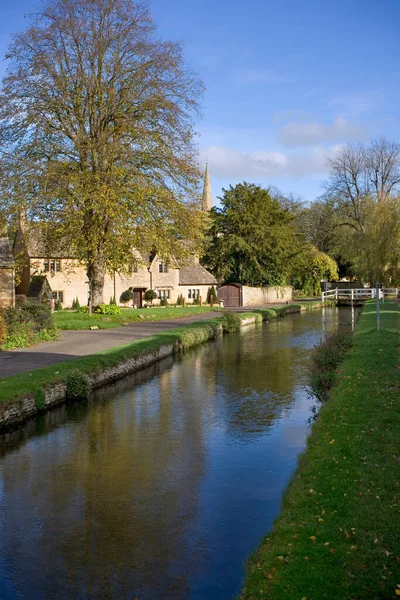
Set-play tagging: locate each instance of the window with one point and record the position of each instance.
(163, 294)
(133, 268)
(58, 296)
(52, 265)
(189, 293)
(162, 267)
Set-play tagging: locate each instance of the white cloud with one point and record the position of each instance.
(354, 104)
(307, 134)
(262, 76)
(228, 163)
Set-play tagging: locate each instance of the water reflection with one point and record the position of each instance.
(165, 482)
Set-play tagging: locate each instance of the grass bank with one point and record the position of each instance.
(338, 533)
(70, 320)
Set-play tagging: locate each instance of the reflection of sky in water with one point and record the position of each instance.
(163, 486)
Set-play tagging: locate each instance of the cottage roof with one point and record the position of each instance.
(195, 275)
(6, 258)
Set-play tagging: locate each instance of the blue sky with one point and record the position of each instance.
(286, 81)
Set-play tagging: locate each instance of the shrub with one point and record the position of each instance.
(179, 300)
(73, 305)
(3, 329)
(164, 302)
(150, 295)
(58, 305)
(78, 386)
(19, 335)
(39, 399)
(201, 332)
(77, 304)
(107, 309)
(126, 296)
(230, 322)
(112, 301)
(196, 301)
(37, 314)
(211, 295)
(82, 309)
(325, 359)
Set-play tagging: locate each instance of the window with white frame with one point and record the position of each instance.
(162, 267)
(163, 294)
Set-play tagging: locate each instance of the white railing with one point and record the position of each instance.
(358, 293)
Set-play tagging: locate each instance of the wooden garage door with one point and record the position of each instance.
(230, 294)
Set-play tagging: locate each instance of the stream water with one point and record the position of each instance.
(164, 483)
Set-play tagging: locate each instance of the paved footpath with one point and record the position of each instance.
(81, 343)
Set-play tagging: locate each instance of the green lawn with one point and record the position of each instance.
(72, 320)
(338, 535)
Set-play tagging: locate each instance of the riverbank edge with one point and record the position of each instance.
(26, 395)
(336, 534)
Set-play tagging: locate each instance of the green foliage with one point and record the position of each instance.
(252, 239)
(82, 309)
(101, 217)
(126, 296)
(112, 301)
(57, 305)
(107, 309)
(78, 386)
(179, 300)
(27, 325)
(211, 295)
(196, 334)
(40, 399)
(230, 322)
(196, 301)
(73, 305)
(163, 302)
(325, 359)
(3, 330)
(77, 304)
(150, 295)
(38, 315)
(309, 267)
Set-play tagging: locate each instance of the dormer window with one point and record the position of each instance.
(162, 267)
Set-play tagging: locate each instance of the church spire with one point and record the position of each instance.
(207, 202)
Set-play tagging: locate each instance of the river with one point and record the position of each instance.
(164, 483)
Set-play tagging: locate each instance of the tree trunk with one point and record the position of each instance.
(96, 272)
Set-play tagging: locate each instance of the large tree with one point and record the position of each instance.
(252, 239)
(362, 206)
(96, 133)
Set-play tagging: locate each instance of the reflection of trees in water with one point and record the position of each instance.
(108, 501)
(257, 371)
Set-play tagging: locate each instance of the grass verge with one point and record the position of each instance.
(68, 320)
(338, 533)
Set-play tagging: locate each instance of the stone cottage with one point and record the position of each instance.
(7, 274)
(68, 280)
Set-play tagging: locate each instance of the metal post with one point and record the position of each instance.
(378, 317)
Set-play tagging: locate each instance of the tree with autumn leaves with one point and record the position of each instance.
(96, 134)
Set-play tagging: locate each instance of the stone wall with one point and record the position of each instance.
(7, 293)
(253, 296)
